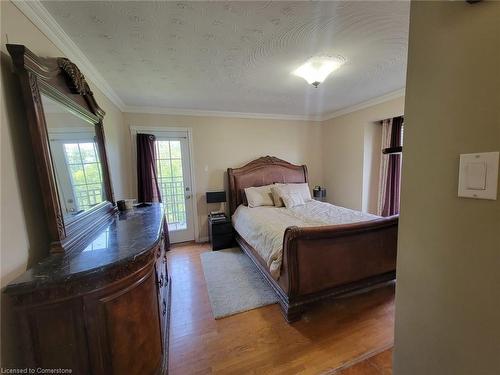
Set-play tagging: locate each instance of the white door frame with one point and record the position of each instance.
(134, 130)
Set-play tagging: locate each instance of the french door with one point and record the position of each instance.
(174, 178)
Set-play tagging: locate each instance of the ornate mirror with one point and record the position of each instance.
(68, 141)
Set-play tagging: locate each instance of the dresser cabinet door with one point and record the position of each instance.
(123, 329)
(54, 336)
(163, 295)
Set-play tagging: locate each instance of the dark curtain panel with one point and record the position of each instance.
(393, 185)
(148, 189)
(147, 181)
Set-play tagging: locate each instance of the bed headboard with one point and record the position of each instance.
(259, 172)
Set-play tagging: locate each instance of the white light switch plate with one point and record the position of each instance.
(478, 176)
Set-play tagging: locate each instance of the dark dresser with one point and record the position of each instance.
(221, 233)
(104, 308)
(99, 303)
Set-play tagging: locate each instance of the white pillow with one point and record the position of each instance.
(293, 200)
(278, 190)
(259, 196)
(302, 189)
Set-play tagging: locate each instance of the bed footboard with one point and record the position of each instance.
(324, 261)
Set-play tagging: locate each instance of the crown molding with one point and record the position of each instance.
(266, 116)
(369, 103)
(207, 113)
(42, 19)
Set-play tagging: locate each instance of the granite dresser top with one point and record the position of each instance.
(126, 236)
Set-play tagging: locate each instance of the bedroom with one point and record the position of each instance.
(214, 81)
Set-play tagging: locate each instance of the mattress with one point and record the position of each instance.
(264, 227)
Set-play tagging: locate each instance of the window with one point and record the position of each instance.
(85, 172)
(171, 181)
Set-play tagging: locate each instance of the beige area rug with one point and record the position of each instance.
(234, 283)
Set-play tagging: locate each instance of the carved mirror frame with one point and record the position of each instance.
(61, 80)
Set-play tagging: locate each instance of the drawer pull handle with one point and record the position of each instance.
(164, 308)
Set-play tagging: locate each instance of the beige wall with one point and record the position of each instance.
(221, 143)
(23, 227)
(351, 155)
(447, 298)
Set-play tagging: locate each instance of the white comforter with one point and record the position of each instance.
(264, 227)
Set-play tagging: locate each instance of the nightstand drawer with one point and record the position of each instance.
(222, 228)
(222, 241)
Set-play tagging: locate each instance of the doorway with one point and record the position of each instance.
(175, 178)
(173, 166)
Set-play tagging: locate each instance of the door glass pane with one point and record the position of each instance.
(171, 181)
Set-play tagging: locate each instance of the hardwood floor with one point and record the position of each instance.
(330, 335)
(379, 364)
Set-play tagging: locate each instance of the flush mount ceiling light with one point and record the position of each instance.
(316, 69)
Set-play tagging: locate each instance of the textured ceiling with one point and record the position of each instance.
(237, 56)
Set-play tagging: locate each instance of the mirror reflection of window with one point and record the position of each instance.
(99, 243)
(85, 171)
(76, 161)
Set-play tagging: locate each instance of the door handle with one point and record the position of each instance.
(188, 196)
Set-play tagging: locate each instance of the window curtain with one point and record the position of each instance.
(390, 168)
(147, 181)
(148, 189)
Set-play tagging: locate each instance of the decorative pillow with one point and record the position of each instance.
(278, 190)
(259, 196)
(302, 189)
(293, 200)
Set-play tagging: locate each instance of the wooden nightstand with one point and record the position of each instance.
(221, 233)
(319, 194)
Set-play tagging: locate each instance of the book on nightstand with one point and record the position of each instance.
(217, 216)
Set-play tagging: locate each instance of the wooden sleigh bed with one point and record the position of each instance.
(318, 262)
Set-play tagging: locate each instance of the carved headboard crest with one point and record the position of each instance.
(267, 160)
